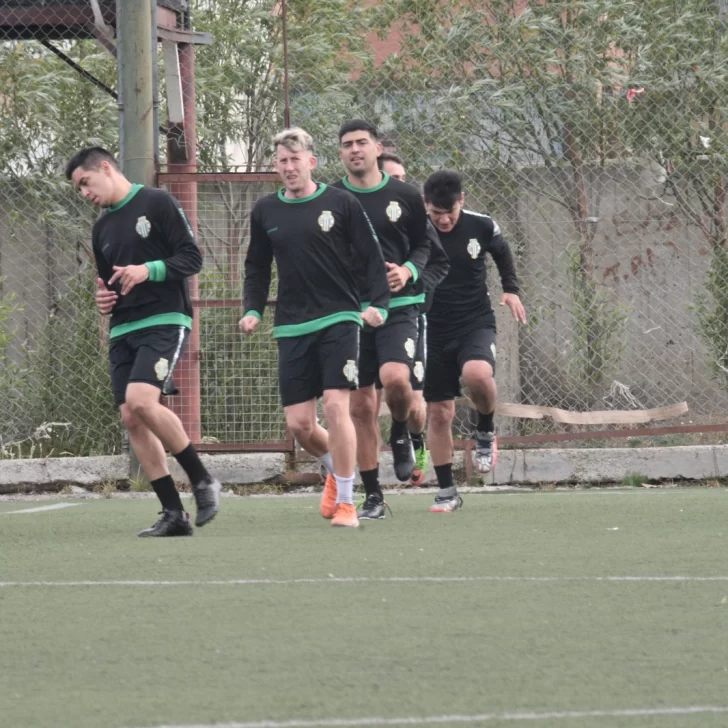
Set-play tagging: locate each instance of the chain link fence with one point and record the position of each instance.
(238, 375)
(54, 384)
(593, 131)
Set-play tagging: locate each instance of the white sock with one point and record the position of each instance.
(328, 462)
(344, 489)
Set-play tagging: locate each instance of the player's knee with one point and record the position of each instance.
(140, 407)
(441, 415)
(335, 410)
(130, 420)
(397, 387)
(478, 378)
(395, 376)
(364, 409)
(301, 427)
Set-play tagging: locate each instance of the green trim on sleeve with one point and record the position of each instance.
(412, 269)
(255, 313)
(157, 270)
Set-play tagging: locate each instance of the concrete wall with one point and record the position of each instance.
(650, 260)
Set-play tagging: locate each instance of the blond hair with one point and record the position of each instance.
(294, 140)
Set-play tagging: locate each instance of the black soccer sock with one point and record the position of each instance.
(485, 422)
(444, 476)
(190, 462)
(167, 493)
(370, 481)
(418, 439)
(398, 429)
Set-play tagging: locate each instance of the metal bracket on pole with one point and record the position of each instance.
(103, 33)
(175, 104)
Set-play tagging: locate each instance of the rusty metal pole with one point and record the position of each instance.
(182, 157)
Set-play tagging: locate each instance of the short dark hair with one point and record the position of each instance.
(443, 189)
(90, 158)
(358, 125)
(386, 156)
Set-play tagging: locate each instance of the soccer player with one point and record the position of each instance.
(145, 251)
(393, 165)
(435, 270)
(328, 260)
(462, 328)
(399, 218)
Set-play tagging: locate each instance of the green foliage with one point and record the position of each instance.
(14, 421)
(239, 81)
(598, 328)
(70, 374)
(634, 480)
(47, 111)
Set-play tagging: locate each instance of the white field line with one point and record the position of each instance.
(370, 580)
(55, 507)
(519, 717)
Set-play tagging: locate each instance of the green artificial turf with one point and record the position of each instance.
(529, 628)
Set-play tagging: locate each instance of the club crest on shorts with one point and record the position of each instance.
(143, 226)
(409, 347)
(473, 248)
(326, 220)
(419, 371)
(350, 370)
(161, 369)
(394, 211)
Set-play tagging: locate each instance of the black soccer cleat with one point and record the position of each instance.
(207, 497)
(172, 523)
(373, 508)
(403, 454)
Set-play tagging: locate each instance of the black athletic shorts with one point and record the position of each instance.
(326, 359)
(446, 358)
(394, 341)
(417, 380)
(148, 356)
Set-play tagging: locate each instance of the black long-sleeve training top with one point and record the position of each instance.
(400, 220)
(148, 227)
(327, 257)
(461, 302)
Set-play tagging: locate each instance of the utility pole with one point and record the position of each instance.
(136, 54)
(136, 60)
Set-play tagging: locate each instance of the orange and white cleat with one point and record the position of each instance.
(328, 498)
(346, 516)
(447, 504)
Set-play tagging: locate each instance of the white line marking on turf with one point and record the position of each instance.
(55, 507)
(371, 580)
(481, 718)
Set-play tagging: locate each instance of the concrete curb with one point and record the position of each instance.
(51, 473)
(515, 467)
